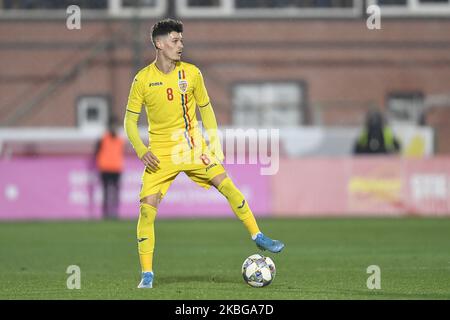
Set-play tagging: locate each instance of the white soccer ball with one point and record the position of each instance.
(258, 270)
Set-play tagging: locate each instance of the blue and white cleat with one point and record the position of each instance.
(265, 243)
(147, 281)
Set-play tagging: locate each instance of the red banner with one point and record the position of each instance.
(68, 188)
(362, 186)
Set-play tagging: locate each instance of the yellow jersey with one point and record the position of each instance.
(170, 102)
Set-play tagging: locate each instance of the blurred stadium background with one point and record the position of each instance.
(310, 68)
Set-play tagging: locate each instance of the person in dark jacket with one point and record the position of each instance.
(377, 137)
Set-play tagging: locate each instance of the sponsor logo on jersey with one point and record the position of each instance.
(183, 85)
(154, 84)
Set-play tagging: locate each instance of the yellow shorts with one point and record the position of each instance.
(202, 168)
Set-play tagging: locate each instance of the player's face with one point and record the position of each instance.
(172, 46)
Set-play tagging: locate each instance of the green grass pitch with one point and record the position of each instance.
(201, 259)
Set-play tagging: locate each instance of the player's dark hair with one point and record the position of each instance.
(164, 27)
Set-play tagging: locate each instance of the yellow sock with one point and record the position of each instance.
(146, 236)
(146, 261)
(239, 205)
(251, 225)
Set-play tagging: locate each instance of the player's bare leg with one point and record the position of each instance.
(242, 210)
(146, 237)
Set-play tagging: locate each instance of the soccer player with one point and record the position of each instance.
(171, 90)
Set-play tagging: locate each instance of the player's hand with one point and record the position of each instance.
(150, 161)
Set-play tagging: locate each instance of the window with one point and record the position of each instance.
(433, 1)
(204, 3)
(92, 112)
(405, 107)
(52, 4)
(294, 3)
(139, 3)
(392, 2)
(268, 104)
(89, 8)
(413, 7)
(269, 8)
(140, 8)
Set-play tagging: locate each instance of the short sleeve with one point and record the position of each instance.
(136, 96)
(200, 93)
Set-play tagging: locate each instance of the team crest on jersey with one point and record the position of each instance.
(183, 85)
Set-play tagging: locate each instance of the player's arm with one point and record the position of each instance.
(210, 124)
(208, 117)
(134, 106)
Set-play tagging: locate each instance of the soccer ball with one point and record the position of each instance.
(258, 270)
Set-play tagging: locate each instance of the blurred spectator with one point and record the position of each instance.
(377, 137)
(109, 154)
